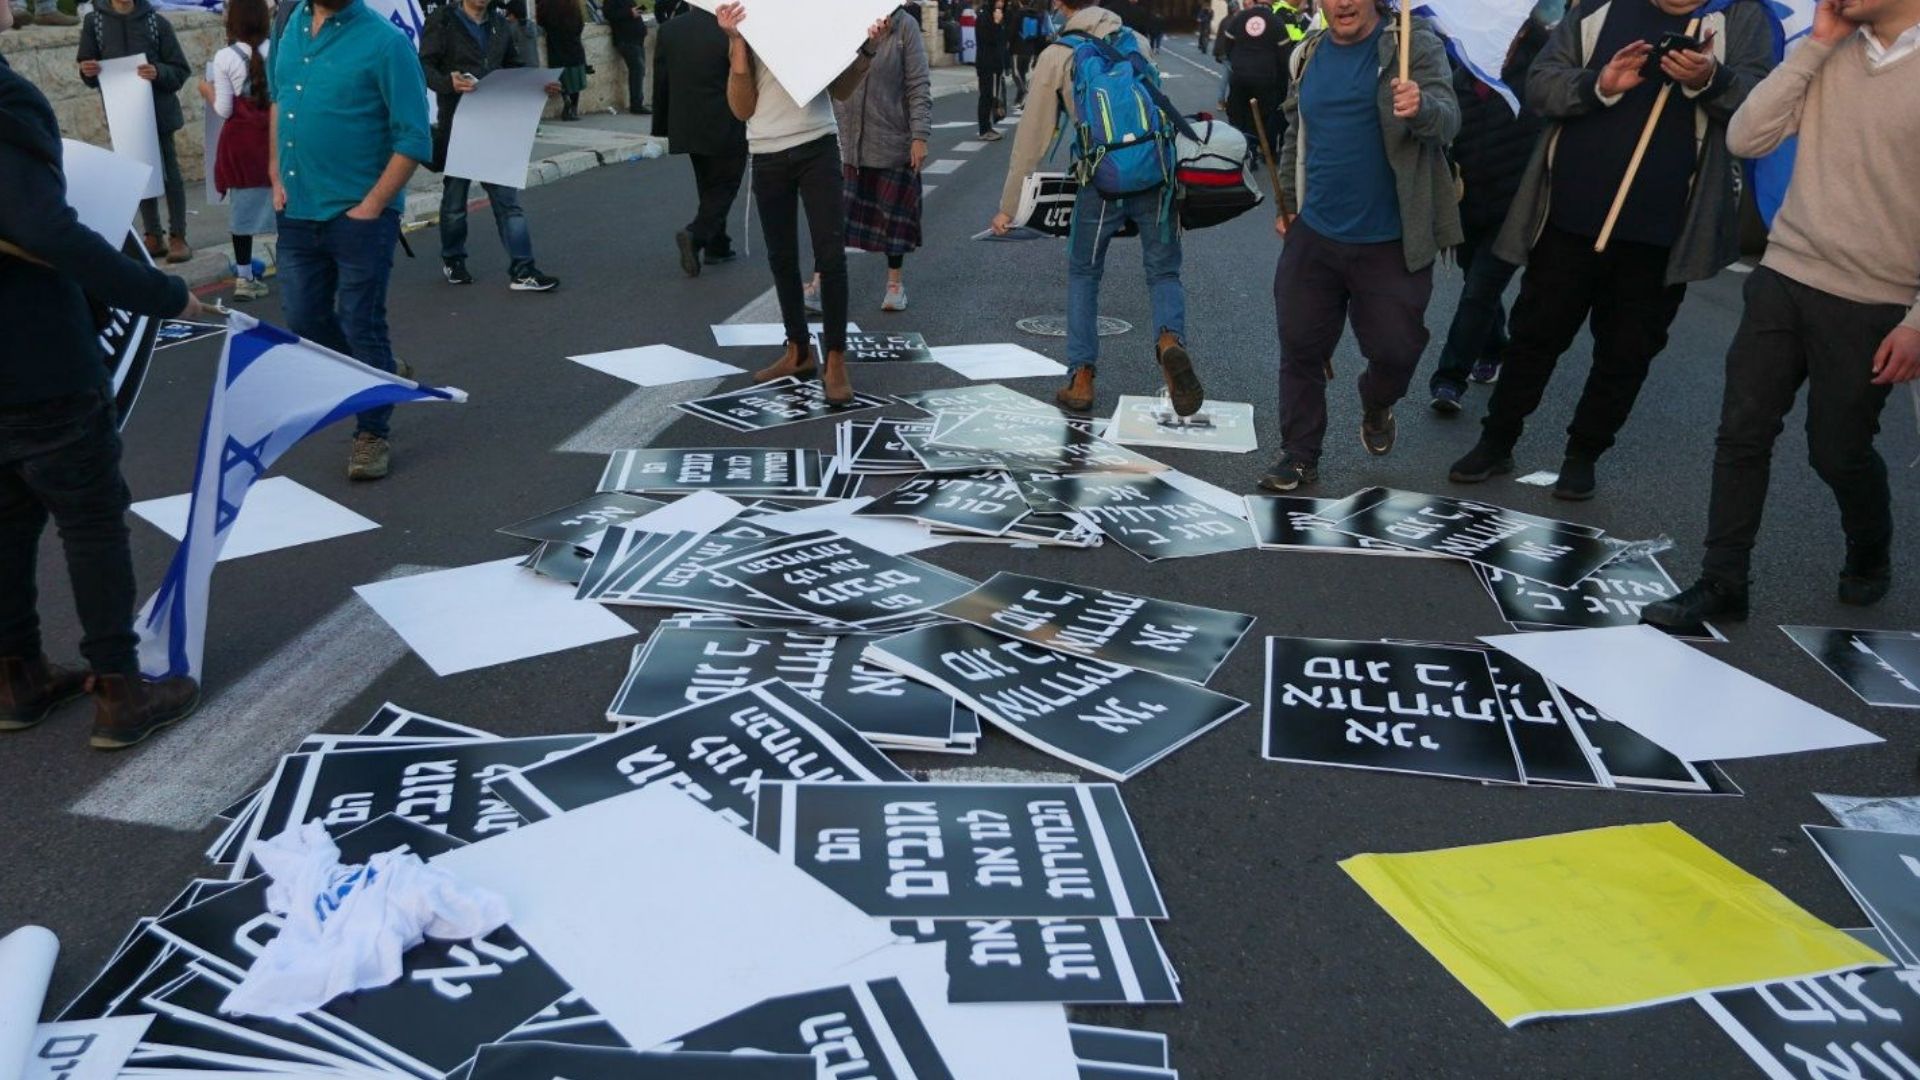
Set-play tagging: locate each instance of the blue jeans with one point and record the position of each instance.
(333, 289)
(1095, 221)
(508, 218)
(1479, 329)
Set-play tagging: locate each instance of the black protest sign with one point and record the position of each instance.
(189, 1018)
(869, 1030)
(968, 399)
(1181, 640)
(965, 851)
(720, 753)
(1611, 596)
(1119, 1046)
(835, 579)
(558, 1061)
(942, 459)
(1857, 1024)
(774, 404)
(1038, 442)
(1626, 757)
(561, 562)
(1046, 204)
(1551, 750)
(883, 449)
(1425, 709)
(1298, 523)
(127, 343)
(1853, 657)
(1882, 871)
(1539, 549)
(1148, 516)
(576, 523)
(987, 503)
(864, 348)
(1072, 961)
(180, 331)
(689, 665)
(727, 470)
(656, 570)
(1109, 719)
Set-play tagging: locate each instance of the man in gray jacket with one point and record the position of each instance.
(1596, 83)
(1364, 160)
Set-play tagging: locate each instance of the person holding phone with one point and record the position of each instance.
(120, 28)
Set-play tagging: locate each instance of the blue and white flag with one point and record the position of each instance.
(272, 389)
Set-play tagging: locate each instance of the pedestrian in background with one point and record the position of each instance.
(690, 111)
(132, 28)
(526, 36)
(989, 63)
(1203, 24)
(884, 128)
(628, 23)
(1029, 37)
(563, 23)
(236, 90)
(1257, 44)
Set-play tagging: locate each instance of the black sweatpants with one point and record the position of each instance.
(717, 178)
(1240, 98)
(806, 176)
(1792, 334)
(989, 96)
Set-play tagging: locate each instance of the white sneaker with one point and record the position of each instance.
(895, 300)
(249, 289)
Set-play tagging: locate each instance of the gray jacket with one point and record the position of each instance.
(1416, 149)
(893, 106)
(1562, 87)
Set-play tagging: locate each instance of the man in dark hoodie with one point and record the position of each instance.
(59, 443)
(690, 111)
(628, 24)
(132, 28)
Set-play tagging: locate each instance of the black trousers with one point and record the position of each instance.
(1792, 334)
(634, 56)
(783, 183)
(1022, 63)
(1623, 296)
(989, 96)
(717, 178)
(1240, 98)
(60, 460)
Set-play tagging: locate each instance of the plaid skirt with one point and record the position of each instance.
(883, 209)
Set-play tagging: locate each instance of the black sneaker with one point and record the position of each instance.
(689, 255)
(456, 272)
(1482, 461)
(1576, 480)
(1866, 575)
(1377, 429)
(715, 258)
(1289, 474)
(532, 280)
(1446, 400)
(1486, 372)
(1704, 600)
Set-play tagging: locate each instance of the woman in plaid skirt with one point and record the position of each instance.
(884, 127)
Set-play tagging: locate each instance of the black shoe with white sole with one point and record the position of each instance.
(1289, 474)
(532, 280)
(455, 271)
(1377, 429)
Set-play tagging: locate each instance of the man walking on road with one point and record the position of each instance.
(1256, 44)
(1835, 303)
(349, 128)
(462, 42)
(690, 112)
(1364, 159)
(59, 440)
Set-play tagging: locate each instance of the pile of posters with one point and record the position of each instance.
(1557, 554)
(773, 404)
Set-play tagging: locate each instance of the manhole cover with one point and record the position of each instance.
(1056, 326)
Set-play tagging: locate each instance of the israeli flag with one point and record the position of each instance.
(272, 390)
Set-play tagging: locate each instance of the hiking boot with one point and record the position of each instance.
(1703, 600)
(156, 247)
(689, 255)
(31, 689)
(895, 298)
(532, 280)
(1576, 480)
(370, 459)
(1077, 395)
(1377, 429)
(128, 708)
(455, 271)
(1486, 371)
(797, 361)
(249, 289)
(177, 249)
(1446, 400)
(1867, 574)
(1183, 386)
(1484, 460)
(835, 384)
(1289, 474)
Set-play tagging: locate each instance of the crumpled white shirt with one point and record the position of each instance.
(346, 927)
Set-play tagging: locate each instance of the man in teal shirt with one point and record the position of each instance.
(349, 128)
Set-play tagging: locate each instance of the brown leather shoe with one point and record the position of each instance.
(128, 708)
(1183, 386)
(177, 249)
(31, 689)
(1077, 395)
(156, 247)
(834, 381)
(797, 361)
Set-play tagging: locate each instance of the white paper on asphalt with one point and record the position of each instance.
(889, 536)
(733, 335)
(1225, 426)
(701, 512)
(696, 919)
(488, 613)
(26, 967)
(279, 513)
(656, 365)
(84, 1049)
(1690, 704)
(131, 123)
(493, 129)
(104, 188)
(984, 363)
(807, 45)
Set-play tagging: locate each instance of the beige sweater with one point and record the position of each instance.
(1850, 225)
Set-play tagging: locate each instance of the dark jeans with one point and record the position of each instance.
(807, 175)
(1623, 296)
(1240, 98)
(989, 91)
(1022, 63)
(508, 220)
(717, 178)
(634, 56)
(333, 290)
(60, 459)
(1315, 286)
(176, 193)
(1479, 328)
(1792, 334)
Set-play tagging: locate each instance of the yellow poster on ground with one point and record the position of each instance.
(1600, 920)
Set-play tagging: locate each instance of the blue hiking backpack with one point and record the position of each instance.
(1123, 141)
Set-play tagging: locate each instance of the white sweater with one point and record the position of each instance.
(227, 71)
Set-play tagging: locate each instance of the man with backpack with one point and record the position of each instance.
(1029, 37)
(132, 28)
(1256, 45)
(1124, 160)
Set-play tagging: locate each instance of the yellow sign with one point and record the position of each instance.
(1600, 920)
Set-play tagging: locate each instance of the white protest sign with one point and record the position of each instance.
(493, 129)
(806, 46)
(131, 122)
(104, 188)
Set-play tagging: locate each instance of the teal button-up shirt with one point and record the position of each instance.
(347, 100)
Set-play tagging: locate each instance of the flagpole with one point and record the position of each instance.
(1639, 155)
(1406, 40)
(1266, 151)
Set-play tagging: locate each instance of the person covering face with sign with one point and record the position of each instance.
(1834, 302)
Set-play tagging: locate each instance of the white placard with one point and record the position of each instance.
(493, 129)
(278, 513)
(1212, 494)
(656, 365)
(131, 122)
(890, 536)
(807, 45)
(26, 967)
(104, 188)
(730, 335)
(1692, 705)
(701, 512)
(982, 363)
(489, 613)
(85, 1049)
(211, 124)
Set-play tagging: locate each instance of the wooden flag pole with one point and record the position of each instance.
(1639, 155)
(1266, 151)
(1406, 40)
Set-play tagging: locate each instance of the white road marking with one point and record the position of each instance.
(942, 166)
(182, 777)
(928, 189)
(969, 146)
(1191, 62)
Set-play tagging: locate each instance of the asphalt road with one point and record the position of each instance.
(1287, 968)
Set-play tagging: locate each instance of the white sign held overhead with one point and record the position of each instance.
(131, 122)
(104, 188)
(493, 128)
(807, 45)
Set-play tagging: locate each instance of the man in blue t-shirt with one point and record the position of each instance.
(1364, 160)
